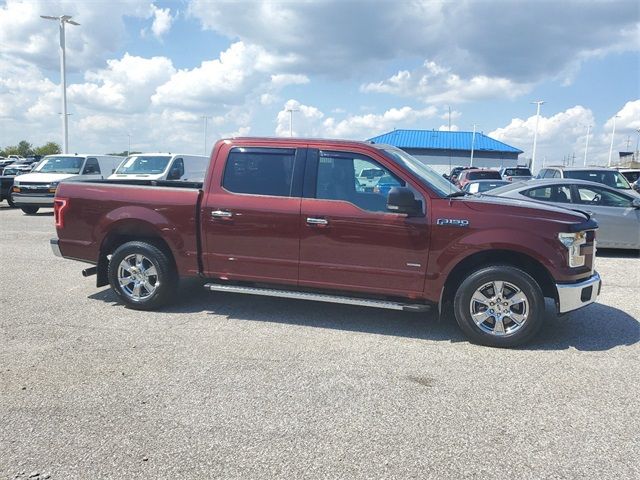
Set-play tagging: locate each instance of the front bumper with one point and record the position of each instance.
(572, 296)
(33, 199)
(55, 247)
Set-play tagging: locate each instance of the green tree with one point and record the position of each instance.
(24, 148)
(49, 148)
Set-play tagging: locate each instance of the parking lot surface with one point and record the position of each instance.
(232, 386)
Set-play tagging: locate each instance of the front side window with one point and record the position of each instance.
(602, 197)
(339, 178)
(552, 193)
(92, 167)
(260, 171)
(71, 165)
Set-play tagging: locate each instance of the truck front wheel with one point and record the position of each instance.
(30, 210)
(142, 275)
(499, 306)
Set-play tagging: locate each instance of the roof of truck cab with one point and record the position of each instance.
(167, 154)
(296, 140)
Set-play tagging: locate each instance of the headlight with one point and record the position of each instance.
(53, 186)
(573, 243)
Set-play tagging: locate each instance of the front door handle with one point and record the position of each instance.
(221, 214)
(321, 222)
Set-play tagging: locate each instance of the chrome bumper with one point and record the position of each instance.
(55, 247)
(572, 296)
(41, 200)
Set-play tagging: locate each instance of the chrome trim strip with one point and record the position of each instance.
(569, 293)
(318, 297)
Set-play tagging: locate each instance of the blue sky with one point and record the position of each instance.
(351, 68)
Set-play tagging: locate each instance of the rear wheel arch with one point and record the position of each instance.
(489, 258)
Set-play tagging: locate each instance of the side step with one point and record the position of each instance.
(319, 297)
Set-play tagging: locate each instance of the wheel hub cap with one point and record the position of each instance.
(499, 308)
(138, 277)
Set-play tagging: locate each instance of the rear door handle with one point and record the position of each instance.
(321, 222)
(221, 214)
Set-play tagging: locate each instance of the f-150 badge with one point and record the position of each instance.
(453, 222)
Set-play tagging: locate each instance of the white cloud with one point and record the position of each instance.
(281, 80)
(628, 120)
(434, 83)
(310, 121)
(162, 20)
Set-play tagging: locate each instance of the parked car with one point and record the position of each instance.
(24, 165)
(607, 176)
(516, 174)
(34, 190)
(455, 172)
(481, 186)
(617, 212)
(631, 174)
(162, 166)
(6, 183)
(283, 217)
(369, 177)
(5, 162)
(467, 176)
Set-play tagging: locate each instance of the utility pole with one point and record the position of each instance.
(613, 134)
(291, 110)
(586, 145)
(473, 143)
(205, 117)
(63, 19)
(129, 148)
(535, 134)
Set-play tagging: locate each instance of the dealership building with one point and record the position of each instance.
(442, 149)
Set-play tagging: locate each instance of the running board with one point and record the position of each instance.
(319, 297)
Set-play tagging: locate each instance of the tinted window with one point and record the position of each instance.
(602, 197)
(609, 178)
(260, 171)
(177, 170)
(484, 175)
(552, 193)
(92, 167)
(517, 172)
(143, 165)
(631, 176)
(337, 180)
(60, 165)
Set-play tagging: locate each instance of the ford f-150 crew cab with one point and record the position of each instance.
(283, 217)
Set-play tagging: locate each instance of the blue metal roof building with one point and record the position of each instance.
(444, 149)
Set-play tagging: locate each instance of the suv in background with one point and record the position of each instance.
(633, 176)
(516, 174)
(467, 176)
(369, 177)
(607, 176)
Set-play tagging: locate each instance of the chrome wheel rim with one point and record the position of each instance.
(138, 277)
(499, 308)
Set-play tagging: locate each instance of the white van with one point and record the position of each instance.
(162, 166)
(34, 190)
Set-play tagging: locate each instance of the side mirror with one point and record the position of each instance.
(402, 200)
(636, 203)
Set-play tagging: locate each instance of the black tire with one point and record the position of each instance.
(10, 202)
(501, 336)
(166, 278)
(30, 210)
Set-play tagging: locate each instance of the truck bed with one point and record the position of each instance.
(97, 211)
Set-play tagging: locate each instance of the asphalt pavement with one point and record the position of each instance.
(232, 386)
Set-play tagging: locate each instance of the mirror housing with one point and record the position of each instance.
(402, 200)
(636, 203)
(174, 174)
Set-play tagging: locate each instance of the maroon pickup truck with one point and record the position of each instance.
(289, 218)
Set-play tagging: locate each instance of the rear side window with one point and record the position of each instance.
(552, 193)
(485, 175)
(260, 171)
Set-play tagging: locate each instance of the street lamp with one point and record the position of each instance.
(205, 117)
(535, 134)
(63, 19)
(586, 145)
(291, 110)
(473, 143)
(613, 133)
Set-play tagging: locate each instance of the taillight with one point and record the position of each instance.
(59, 205)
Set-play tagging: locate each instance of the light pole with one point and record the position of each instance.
(613, 133)
(63, 19)
(586, 145)
(535, 134)
(291, 110)
(205, 117)
(129, 149)
(473, 143)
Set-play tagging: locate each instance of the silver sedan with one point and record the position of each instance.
(617, 212)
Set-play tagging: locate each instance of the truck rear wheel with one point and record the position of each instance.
(30, 210)
(499, 306)
(142, 275)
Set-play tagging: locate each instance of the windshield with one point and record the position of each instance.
(60, 165)
(143, 164)
(610, 178)
(484, 175)
(428, 175)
